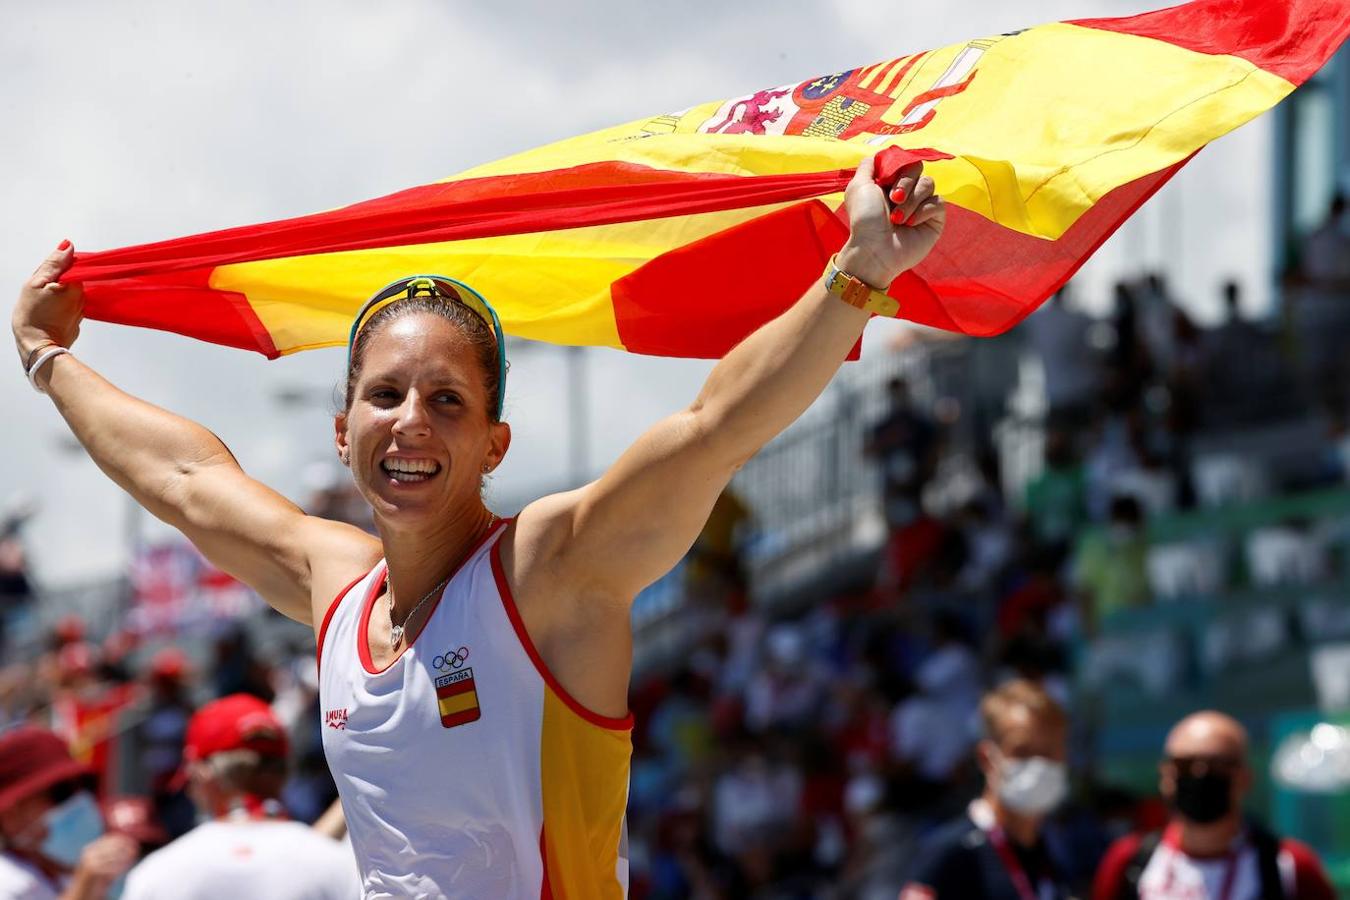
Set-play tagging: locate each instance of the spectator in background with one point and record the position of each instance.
(754, 802)
(1232, 348)
(1326, 254)
(932, 731)
(1128, 364)
(52, 843)
(237, 668)
(787, 691)
(1209, 851)
(235, 765)
(1056, 499)
(1115, 455)
(159, 736)
(1110, 568)
(995, 851)
(1058, 335)
(905, 442)
(16, 592)
(85, 708)
(1156, 309)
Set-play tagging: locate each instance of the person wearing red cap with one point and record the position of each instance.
(234, 764)
(52, 845)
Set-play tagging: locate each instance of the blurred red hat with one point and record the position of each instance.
(236, 722)
(33, 760)
(169, 664)
(69, 628)
(134, 817)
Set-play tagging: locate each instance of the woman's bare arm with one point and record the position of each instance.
(613, 537)
(178, 470)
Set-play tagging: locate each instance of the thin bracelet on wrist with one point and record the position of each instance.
(47, 356)
(41, 345)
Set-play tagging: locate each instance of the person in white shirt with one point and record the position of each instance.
(235, 766)
(52, 841)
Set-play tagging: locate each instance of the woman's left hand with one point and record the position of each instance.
(890, 233)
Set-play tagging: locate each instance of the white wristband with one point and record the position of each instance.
(47, 355)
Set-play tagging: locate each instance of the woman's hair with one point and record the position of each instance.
(477, 332)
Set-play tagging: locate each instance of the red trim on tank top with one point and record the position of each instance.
(328, 617)
(624, 723)
(545, 886)
(363, 626)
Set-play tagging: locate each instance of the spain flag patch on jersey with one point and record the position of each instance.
(457, 698)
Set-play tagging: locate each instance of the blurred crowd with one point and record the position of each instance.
(817, 750)
(813, 750)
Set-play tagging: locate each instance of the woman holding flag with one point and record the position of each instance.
(474, 671)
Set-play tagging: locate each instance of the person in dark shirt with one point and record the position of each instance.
(1210, 848)
(995, 850)
(905, 442)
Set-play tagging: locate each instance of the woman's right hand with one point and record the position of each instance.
(48, 311)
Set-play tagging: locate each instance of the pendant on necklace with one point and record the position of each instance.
(395, 635)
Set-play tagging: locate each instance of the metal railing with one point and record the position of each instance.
(815, 494)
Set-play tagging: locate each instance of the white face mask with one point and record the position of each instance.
(1033, 786)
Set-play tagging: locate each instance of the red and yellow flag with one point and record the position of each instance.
(679, 234)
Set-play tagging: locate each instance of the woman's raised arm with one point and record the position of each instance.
(633, 524)
(180, 471)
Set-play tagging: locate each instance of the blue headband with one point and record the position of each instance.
(437, 286)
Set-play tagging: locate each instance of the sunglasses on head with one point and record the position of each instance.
(436, 287)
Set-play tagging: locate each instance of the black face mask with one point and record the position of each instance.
(1204, 798)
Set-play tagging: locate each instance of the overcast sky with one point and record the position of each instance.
(137, 121)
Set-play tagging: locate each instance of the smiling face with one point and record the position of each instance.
(417, 431)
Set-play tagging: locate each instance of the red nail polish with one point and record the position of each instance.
(898, 217)
(64, 245)
(898, 196)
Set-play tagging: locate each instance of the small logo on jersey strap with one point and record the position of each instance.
(457, 698)
(451, 660)
(336, 718)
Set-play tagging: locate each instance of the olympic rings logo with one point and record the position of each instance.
(451, 659)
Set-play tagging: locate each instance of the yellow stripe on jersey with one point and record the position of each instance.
(584, 770)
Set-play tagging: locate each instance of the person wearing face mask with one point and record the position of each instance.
(52, 841)
(1209, 850)
(995, 850)
(235, 765)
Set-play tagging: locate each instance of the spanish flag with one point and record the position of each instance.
(457, 698)
(679, 234)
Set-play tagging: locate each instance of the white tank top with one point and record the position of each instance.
(464, 768)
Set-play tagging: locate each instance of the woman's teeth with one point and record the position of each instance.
(410, 469)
